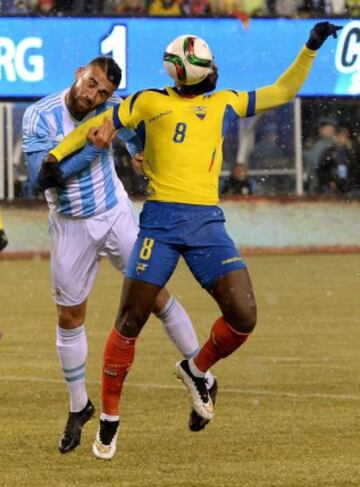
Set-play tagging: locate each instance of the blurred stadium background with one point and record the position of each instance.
(290, 184)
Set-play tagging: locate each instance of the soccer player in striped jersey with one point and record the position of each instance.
(183, 129)
(90, 217)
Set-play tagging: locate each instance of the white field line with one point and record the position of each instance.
(225, 390)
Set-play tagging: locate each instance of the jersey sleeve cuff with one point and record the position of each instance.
(309, 52)
(56, 153)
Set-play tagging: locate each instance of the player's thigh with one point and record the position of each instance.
(213, 255)
(137, 302)
(122, 236)
(74, 260)
(152, 261)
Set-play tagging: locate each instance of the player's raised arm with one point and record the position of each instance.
(78, 137)
(290, 82)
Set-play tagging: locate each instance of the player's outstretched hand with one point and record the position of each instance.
(102, 136)
(50, 176)
(320, 32)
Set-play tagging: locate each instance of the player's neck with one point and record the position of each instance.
(184, 94)
(205, 86)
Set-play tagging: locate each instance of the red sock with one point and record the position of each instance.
(118, 357)
(224, 340)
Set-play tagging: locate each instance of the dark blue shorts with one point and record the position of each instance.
(197, 232)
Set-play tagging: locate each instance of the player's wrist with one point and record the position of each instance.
(50, 158)
(312, 45)
(92, 148)
(50, 175)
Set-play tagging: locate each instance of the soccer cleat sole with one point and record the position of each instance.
(206, 411)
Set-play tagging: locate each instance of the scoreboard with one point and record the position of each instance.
(39, 56)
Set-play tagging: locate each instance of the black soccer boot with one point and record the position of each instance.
(75, 422)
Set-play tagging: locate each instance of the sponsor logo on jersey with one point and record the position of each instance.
(160, 115)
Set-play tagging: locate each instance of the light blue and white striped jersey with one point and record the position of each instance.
(95, 189)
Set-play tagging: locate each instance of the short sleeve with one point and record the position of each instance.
(244, 102)
(131, 111)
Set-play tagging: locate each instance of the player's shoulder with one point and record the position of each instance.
(43, 106)
(227, 94)
(150, 93)
(112, 101)
(233, 98)
(145, 98)
(48, 103)
(39, 112)
(153, 92)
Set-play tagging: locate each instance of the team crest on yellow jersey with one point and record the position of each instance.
(200, 111)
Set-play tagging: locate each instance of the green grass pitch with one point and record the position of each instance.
(288, 412)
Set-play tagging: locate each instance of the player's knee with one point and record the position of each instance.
(130, 323)
(243, 318)
(70, 317)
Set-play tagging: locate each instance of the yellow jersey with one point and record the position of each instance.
(183, 136)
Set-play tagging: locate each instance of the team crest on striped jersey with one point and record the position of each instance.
(200, 111)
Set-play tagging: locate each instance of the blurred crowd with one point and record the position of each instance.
(331, 157)
(237, 8)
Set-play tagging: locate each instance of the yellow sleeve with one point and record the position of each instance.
(77, 138)
(132, 109)
(240, 102)
(286, 87)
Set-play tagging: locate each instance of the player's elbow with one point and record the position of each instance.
(286, 95)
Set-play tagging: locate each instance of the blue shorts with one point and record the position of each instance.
(197, 232)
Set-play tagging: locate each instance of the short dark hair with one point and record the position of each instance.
(340, 129)
(110, 68)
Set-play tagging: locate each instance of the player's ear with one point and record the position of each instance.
(79, 72)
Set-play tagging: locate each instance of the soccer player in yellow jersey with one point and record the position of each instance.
(183, 129)
(3, 239)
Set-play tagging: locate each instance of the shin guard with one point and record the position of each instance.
(223, 341)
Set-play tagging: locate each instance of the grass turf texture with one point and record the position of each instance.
(288, 406)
